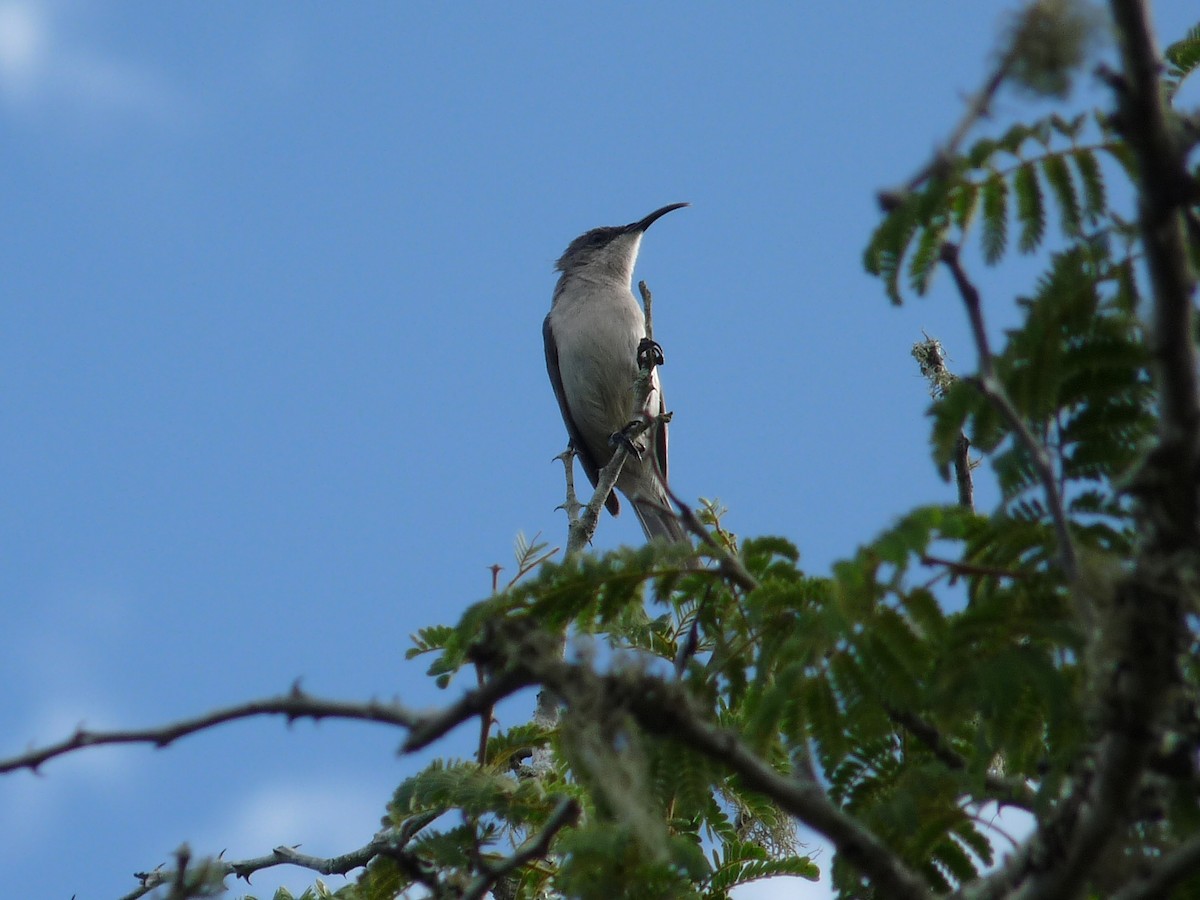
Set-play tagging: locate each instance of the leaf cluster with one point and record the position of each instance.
(946, 669)
(997, 187)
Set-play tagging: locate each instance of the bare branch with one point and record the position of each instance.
(991, 387)
(581, 531)
(1165, 187)
(424, 731)
(958, 567)
(389, 842)
(294, 705)
(978, 107)
(572, 505)
(1008, 791)
(648, 306)
(962, 472)
(538, 845)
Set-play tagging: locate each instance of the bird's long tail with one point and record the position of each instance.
(658, 521)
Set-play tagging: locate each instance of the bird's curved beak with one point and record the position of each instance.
(645, 223)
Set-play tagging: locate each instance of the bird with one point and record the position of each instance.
(592, 334)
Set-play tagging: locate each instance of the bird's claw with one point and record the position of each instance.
(622, 439)
(649, 354)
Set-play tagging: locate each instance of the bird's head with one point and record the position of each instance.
(611, 251)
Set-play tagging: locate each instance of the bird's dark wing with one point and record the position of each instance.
(581, 449)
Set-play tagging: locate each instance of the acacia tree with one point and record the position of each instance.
(744, 696)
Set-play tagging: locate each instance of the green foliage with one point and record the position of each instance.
(1183, 58)
(941, 670)
(1078, 373)
(1048, 42)
(995, 182)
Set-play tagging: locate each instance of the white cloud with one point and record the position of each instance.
(22, 47)
(43, 68)
(31, 805)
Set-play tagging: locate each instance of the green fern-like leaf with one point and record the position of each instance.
(824, 716)
(924, 258)
(995, 217)
(1183, 58)
(427, 640)
(1058, 176)
(885, 252)
(964, 201)
(1090, 177)
(742, 862)
(1031, 210)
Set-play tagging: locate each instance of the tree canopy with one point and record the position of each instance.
(1039, 656)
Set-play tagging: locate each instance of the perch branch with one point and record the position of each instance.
(581, 531)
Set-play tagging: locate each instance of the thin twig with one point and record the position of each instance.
(581, 531)
(962, 471)
(424, 731)
(294, 705)
(978, 107)
(991, 387)
(564, 814)
(571, 504)
(648, 307)
(958, 567)
(390, 842)
(1008, 791)
(731, 567)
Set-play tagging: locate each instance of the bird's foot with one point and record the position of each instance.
(649, 354)
(623, 438)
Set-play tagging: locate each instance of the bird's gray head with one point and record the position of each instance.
(609, 252)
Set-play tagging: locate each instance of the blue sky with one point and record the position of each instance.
(273, 387)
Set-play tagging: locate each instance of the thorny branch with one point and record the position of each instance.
(293, 705)
(581, 530)
(390, 842)
(538, 845)
(296, 704)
